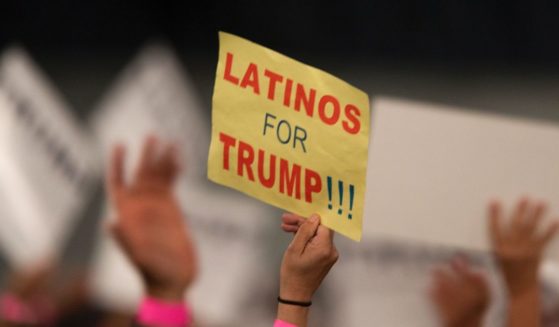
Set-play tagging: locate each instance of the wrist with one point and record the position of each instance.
(519, 289)
(291, 314)
(472, 321)
(520, 277)
(299, 294)
(170, 294)
(525, 292)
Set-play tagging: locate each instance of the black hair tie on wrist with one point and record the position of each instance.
(297, 303)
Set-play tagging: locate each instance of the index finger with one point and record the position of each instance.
(291, 222)
(292, 219)
(115, 178)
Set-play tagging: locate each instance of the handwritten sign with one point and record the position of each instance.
(289, 134)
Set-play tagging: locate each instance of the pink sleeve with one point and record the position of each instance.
(156, 312)
(37, 310)
(14, 310)
(281, 323)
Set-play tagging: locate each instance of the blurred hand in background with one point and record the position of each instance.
(460, 294)
(37, 296)
(518, 245)
(28, 300)
(150, 225)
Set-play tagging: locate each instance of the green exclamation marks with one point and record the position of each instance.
(329, 182)
(351, 190)
(341, 192)
(351, 193)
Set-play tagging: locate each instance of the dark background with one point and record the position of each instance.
(83, 45)
(514, 32)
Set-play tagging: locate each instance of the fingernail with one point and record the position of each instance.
(314, 218)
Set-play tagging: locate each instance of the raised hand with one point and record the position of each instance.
(518, 246)
(150, 225)
(460, 294)
(306, 262)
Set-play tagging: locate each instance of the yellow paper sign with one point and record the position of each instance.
(289, 134)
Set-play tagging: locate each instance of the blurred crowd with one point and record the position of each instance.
(153, 231)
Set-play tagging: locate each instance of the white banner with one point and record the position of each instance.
(154, 96)
(47, 164)
(433, 169)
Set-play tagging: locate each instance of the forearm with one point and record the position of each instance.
(292, 314)
(475, 321)
(524, 309)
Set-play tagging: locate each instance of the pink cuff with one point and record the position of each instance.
(157, 312)
(281, 323)
(14, 310)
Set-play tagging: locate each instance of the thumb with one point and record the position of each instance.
(305, 233)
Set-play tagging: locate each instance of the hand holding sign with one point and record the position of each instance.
(289, 134)
(150, 224)
(306, 262)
